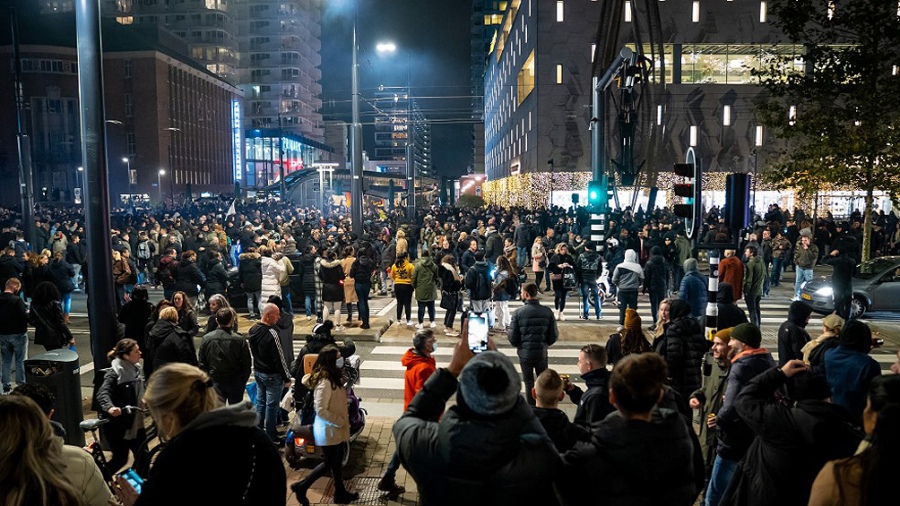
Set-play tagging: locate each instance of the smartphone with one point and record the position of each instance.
(478, 332)
(133, 479)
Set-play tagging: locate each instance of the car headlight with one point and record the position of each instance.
(825, 291)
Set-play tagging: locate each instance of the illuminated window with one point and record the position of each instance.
(792, 115)
(763, 11)
(628, 12)
(559, 11)
(695, 12)
(593, 50)
(759, 135)
(726, 115)
(659, 112)
(559, 73)
(693, 139)
(525, 79)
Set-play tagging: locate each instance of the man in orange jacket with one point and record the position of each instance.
(420, 366)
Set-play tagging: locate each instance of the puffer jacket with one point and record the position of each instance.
(735, 435)
(307, 273)
(628, 275)
(730, 314)
(225, 355)
(272, 271)
(169, 343)
(250, 271)
(683, 347)
(332, 275)
(332, 424)
(188, 277)
(362, 269)
(792, 335)
(656, 274)
(464, 458)
(216, 278)
(694, 290)
(418, 369)
(424, 279)
(532, 329)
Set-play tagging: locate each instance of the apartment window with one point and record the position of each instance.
(659, 113)
(693, 140)
(792, 115)
(560, 7)
(726, 115)
(129, 105)
(126, 63)
(593, 50)
(559, 73)
(759, 135)
(129, 143)
(763, 12)
(628, 12)
(695, 11)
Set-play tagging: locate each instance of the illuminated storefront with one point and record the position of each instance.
(265, 151)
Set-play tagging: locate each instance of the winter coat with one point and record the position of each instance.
(402, 274)
(538, 254)
(493, 247)
(554, 268)
(216, 279)
(792, 335)
(134, 315)
(593, 404)
(389, 255)
(731, 271)
(730, 314)
(250, 272)
(656, 275)
(307, 272)
(188, 277)
(468, 459)
(332, 275)
(815, 350)
(425, 279)
(122, 272)
(169, 343)
(755, 277)
(791, 446)
(272, 271)
(635, 463)
(10, 267)
(710, 396)
(628, 276)
(165, 272)
(694, 290)
(268, 354)
(116, 393)
(805, 258)
(418, 369)
(248, 467)
(225, 355)
(332, 424)
(61, 273)
(683, 347)
(450, 278)
(478, 282)
(532, 329)
(561, 431)
(349, 283)
(50, 329)
(735, 435)
(849, 373)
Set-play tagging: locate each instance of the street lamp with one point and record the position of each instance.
(79, 181)
(390, 47)
(159, 175)
(356, 182)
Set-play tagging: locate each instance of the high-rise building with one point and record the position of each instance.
(398, 115)
(486, 18)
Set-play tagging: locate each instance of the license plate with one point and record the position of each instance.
(805, 296)
(310, 449)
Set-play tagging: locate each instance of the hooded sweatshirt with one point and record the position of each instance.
(629, 275)
(694, 288)
(730, 314)
(792, 335)
(418, 369)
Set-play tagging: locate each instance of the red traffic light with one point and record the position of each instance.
(685, 190)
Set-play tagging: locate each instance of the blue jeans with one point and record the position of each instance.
(286, 298)
(722, 471)
(67, 302)
(13, 346)
(591, 297)
(309, 302)
(777, 268)
(362, 293)
(803, 275)
(268, 395)
(627, 300)
(393, 466)
(254, 304)
(521, 257)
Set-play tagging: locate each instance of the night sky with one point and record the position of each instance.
(436, 35)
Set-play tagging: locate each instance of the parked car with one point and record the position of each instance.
(876, 287)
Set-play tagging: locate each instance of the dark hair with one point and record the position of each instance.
(400, 258)
(449, 259)
(140, 293)
(878, 462)
(122, 348)
(633, 341)
(42, 395)
(596, 353)
(752, 249)
(225, 318)
(326, 368)
(45, 293)
(479, 255)
(856, 336)
(348, 251)
(637, 382)
(531, 289)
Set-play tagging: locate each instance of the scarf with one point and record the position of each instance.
(747, 353)
(126, 372)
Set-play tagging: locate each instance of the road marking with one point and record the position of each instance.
(387, 309)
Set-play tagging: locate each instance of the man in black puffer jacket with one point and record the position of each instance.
(250, 279)
(683, 347)
(532, 330)
(593, 405)
(656, 276)
(730, 314)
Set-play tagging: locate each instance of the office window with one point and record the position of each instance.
(628, 12)
(759, 135)
(559, 73)
(129, 105)
(726, 115)
(792, 115)
(126, 63)
(593, 50)
(763, 12)
(659, 114)
(560, 7)
(693, 140)
(695, 12)
(129, 143)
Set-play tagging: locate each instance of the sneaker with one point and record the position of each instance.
(562, 316)
(583, 317)
(308, 318)
(451, 333)
(433, 325)
(390, 486)
(418, 326)
(599, 317)
(409, 323)
(556, 314)
(364, 326)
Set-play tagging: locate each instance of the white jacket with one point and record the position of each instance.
(332, 425)
(272, 271)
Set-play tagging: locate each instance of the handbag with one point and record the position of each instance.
(448, 299)
(555, 277)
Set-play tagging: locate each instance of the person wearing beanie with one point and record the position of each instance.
(849, 369)
(656, 275)
(593, 404)
(630, 340)
(708, 398)
(792, 442)
(792, 335)
(645, 453)
(748, 360)
(730, 314)
(488, 448)
(694, 288)
(814, 351)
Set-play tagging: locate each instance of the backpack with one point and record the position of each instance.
(143, 250)
(591, 264)
(482, 283)
(512, 285)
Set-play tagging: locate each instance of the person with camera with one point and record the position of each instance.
(122, 389)
(532, 330)
(561, 265)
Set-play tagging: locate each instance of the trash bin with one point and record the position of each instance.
(59, 371)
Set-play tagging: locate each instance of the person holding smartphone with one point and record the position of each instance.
(123, 385)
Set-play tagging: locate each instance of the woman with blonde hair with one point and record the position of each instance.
(538, 261)
(168, 342)
(36, 469)
(213, 454)
(402, 243)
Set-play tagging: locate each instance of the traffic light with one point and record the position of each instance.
(598, 200)
(690, 191)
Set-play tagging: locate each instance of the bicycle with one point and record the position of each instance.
(142, 459)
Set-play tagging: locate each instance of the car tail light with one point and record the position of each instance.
(299, 441)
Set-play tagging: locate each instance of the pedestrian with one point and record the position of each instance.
(451, 286)
(272, 272)
(731, 271)
(331, 429)
(350, 295)
(656, 275)
(76, 255)
(694, 289)
(505, 288)
(61, 273)
(170, 343)
(683, 347)
(730, 314)
(135, 314)
(424, 283)
(215, 303)
(781, 248)
(225, 356)
(628, 277)
(594, 403)
(548, 392)
(401, 273)
(13, 334)
(490, 412)
(122, 276)
(165, 273)
(250, 280)
(587, 271)
(539, 262)
(629, 340)
(814, 350)
(754, 279)
(119, 398)
(309, 280)
(843, 269)
(793, 440)
(420, 365)
(270, 368)
(331, 275)
(532, 330)
(849, 368)
(867, 477)
(213, 270)
(46, 315)
(361, 272)
(792, 335)
(645, 454)
(187, 317)
(709, 397)
(189, 415)
(734, 436)
(806, 256)
(478, 283)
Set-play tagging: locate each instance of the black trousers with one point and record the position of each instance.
(404, 295)
(230, 390)
(119, 446)
(429, 305)
(531, 368)
(334, 456)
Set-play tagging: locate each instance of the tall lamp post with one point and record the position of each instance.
(159, 175)
(356, 182)
(390, 47)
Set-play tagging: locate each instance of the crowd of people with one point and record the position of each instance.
(767, 431)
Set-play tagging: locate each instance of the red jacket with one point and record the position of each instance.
(418, 369)
(731, 270)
